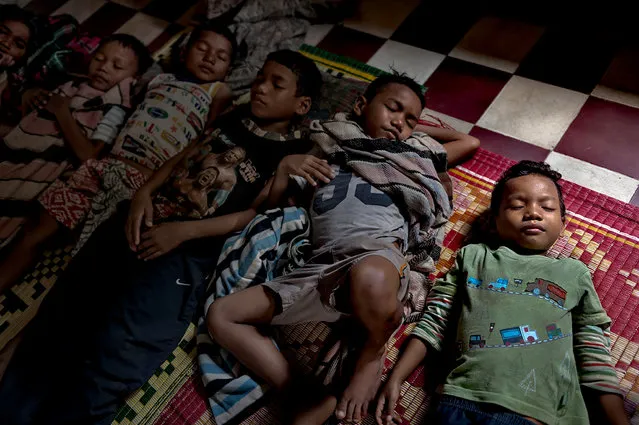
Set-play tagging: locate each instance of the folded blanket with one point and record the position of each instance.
(413, 172)
(267, 247)
(34, 154)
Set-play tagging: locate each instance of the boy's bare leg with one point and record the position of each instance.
(374, 282)
(231, 322)
(26, 249)
(318, 413)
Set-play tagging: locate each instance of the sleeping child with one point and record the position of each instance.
(136, 283)
(66, 129)
(529, 351)
(383, 210)
(174, 112)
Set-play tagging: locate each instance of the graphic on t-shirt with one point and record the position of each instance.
(518, 282)
(474, 282)
(553, 331)
(248, 171)
(500, 284)
(529, 383)
(336, 191)
(550, 290)
(518, 335)
(476, 341)
(158, 113)
(204, 187)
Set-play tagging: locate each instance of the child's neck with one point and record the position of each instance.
(281, 127)
(524, 251)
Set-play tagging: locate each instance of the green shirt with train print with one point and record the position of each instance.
(530, 330)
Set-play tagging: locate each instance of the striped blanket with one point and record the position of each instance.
(267, 247)
(34, 154)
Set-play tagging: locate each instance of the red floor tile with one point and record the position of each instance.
(168, 10)
(349, 42)
(507, 146)
(107, 19)
(462, 89)
(635, 199)
(44, 7)
(605, 134)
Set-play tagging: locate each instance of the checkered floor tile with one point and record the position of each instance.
(529, 85)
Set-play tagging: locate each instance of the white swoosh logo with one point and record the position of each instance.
(181, 283)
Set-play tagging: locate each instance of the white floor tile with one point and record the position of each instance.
(457, 124)
(532, 111)
(146, 28)
(593, 177)
(316, 33)
(419, 64)
(629, 99)
(381, 17)
(80, 9)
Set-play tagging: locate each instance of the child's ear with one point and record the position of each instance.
(360, 105)
(303, 105)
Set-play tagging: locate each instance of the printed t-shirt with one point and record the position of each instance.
(530, 332)
(225, 173)
(172, 114)
(350, 207)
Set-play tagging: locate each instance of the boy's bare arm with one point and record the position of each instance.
(220, 102)
(142, 203)
(613, 411)
(308, 166)
(80, 144)
(165, 237)
(459, 146)
(412, 356)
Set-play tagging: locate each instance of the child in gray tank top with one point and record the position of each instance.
(377, 195)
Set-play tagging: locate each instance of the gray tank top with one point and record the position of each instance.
(350, 207)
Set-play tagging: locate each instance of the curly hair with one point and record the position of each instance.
(526, 168)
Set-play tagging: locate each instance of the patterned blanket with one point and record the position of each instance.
(258, 254)
(35, 154)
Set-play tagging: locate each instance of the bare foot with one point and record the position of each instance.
(361, 390)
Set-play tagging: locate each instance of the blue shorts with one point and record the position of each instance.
(458, 411)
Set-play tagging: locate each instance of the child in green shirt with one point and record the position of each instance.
(530, 331)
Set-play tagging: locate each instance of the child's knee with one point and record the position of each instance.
(375, 281)
(217, 317)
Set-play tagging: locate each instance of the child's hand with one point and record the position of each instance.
(58, 103)
(308, 166)
(34, 98)
(141, 208)
(160, 240)
(6, 61)
(385, 412)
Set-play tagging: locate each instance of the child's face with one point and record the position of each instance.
(391, 114)
(111, 64)
(209, 57)
(529, 214)
(14, 39)
(274, 94)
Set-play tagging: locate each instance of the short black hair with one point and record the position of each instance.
(526, 168)
(13, 13)
(383, 80)
(309, 78)
(141, 51)
(217, 27)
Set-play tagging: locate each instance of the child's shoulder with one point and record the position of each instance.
(479, 252)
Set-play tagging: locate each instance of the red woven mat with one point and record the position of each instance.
(601, 232)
